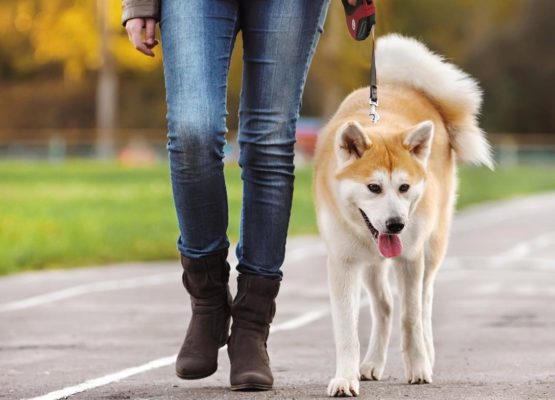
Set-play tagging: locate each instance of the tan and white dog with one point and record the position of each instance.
(384, 197)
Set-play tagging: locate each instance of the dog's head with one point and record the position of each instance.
(381, 178)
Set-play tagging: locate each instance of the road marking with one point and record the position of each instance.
(518, 254)
(103, 286)
(487, 289)
(294, 323)
(288, 325)
(497, 213)
(493, 262)
(105, 380)
(316, 250)
(297, 253)
(527, 290)
(311, 247)
(523, 249)
(300, 321)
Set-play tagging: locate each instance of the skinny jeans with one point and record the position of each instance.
(279, 40)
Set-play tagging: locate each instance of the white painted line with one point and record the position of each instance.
(294, 323)
(316, 249)
(499, 212)
(487, 289)
(486, 262)
(526, 248)
(308, 247)
(105, 380)
(300, 321)
(291, 324)
(527, 290)
(103, 286)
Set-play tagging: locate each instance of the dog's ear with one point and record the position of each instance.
(418, 140)
(351, 142)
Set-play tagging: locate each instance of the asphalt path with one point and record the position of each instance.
(112, 332)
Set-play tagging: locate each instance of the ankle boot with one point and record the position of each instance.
(252, 310)
(206, 281)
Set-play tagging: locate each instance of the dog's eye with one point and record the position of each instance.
(404, 188)
(375, 188)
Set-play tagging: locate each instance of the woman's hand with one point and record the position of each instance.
(134, 28)
(352, 2)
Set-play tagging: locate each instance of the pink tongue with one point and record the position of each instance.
(390, 245)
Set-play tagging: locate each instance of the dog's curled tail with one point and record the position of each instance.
(402, 60)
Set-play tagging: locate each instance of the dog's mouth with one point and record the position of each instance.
(390, 246)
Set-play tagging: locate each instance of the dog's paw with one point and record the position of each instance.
(371, 371)
(419, 373)
(341, 387)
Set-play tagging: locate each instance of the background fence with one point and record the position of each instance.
(140, 146)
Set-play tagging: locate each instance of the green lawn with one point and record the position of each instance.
(89, 213)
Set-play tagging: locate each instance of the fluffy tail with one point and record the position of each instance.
(403, 60)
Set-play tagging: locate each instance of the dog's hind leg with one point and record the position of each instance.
(435, 253)
(344, 284)
(427, 303)
(410, 274)
(376, 281)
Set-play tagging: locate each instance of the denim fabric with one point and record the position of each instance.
(279, 39)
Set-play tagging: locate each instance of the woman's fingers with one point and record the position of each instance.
(134, 29)
(150, 33)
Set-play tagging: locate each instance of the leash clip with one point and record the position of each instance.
(374, 116)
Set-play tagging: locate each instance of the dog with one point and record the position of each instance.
(384, 197)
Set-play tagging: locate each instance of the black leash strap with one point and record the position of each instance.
(374, 116)
(361, 22)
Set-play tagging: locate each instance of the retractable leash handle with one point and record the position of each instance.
(360, 18)
(361, 22)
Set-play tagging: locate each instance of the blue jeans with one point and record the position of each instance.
(279, 39)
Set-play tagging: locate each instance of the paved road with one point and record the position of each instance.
(112, 332)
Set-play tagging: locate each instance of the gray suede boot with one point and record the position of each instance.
(253, 310)
(206, 280)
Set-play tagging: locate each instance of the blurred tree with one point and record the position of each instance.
(516, 65)
(340, 65)
(70, 34)
(96, 38)
(451, 28)
(67, 32)
(106, 88)
(51, 40)
(15, 24)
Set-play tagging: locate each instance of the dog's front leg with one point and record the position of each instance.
(377, 284)
(410, 275)
(344, 284)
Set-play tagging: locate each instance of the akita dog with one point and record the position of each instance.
(384, 197)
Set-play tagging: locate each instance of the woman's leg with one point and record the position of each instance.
(279, 38)
(197, 40)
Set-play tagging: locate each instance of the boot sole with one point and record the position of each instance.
(193, 377)
(251, 387)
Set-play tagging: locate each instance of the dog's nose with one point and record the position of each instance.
(394, 225)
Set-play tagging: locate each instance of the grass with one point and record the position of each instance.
(90, 213)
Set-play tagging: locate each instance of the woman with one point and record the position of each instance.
(279, 39)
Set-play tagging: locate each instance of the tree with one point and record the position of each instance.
(85, 36)
(517, 68)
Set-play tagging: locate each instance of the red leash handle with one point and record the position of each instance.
(360, 18)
